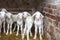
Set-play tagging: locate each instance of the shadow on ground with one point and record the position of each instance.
(14, 37)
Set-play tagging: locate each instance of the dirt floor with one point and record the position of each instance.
(14, 37)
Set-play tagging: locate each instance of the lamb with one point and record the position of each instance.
(2, 19)
(38, 23)
(25, 15)
(28, 26)
(9, 22)
(19, 22)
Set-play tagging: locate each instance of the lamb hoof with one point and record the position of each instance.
(6, 33)
(34, 38)
(31, 35)
(10, 32)
(16, 34)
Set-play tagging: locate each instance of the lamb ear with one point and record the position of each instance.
(42, 16)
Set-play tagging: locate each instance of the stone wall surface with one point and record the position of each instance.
(51, 20)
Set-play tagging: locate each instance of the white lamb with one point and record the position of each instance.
(19, 22)
(28, 26)
(25, 15)
(38, 24)
(2, 19)
(9, 22)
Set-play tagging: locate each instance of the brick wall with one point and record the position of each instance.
(51, 20)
